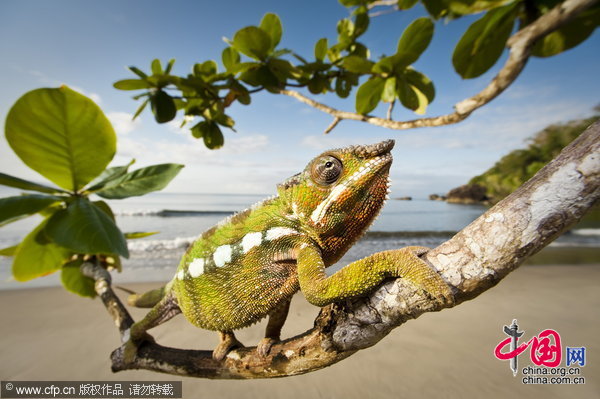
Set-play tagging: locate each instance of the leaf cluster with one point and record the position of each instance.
(253, 61)
(65, 137)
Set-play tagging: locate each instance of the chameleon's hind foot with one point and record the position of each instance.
(264, 346)
(132, 345)
(227, 344)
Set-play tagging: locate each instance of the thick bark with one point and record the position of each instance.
(474, 260)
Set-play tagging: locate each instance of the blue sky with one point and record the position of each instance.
(88, 44)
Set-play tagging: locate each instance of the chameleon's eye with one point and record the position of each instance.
(326, 170)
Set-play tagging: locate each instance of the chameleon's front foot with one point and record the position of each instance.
(264, 346)
(416, 270)
(228, 342)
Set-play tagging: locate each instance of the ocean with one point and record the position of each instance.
(180, 218)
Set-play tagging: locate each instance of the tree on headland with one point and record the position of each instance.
(79, 237)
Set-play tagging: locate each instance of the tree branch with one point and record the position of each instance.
(473, 261)
(520, 48)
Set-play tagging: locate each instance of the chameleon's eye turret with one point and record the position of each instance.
(326, 170)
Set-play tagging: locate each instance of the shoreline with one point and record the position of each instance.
(49, 334)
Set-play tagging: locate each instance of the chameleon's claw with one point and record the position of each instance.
(228, 343)
(264, 346)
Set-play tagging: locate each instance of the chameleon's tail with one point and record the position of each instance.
(147, 299)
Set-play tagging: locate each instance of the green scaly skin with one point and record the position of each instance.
(250, 265)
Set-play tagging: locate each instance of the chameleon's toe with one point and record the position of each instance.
(227, 344)
(264, 346)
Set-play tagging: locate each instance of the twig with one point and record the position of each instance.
(389, 111)
(520, 48)
(473, 261)
(332, 125)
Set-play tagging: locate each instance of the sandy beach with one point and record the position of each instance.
(49, 334)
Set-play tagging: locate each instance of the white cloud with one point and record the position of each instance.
(123, 123)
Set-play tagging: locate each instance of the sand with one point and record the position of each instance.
(48, 334)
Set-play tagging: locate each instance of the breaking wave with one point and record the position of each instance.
(170, 213)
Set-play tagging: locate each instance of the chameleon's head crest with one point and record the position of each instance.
(341, 191)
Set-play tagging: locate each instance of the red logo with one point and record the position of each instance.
(546, 349)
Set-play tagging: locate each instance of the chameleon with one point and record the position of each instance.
(250, 265)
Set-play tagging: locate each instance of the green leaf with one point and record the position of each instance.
(421, 99)
(104, 207)
(131, 84)
(385, 65)
(408, 97)
(369, 94)
(169, 66)
(225, 120)
(11, 181)
(253, 42)
(318, 84)
(406, 4)
(345, 28)
(389, 90)
(414, 40)
(350, 3)
(436, 8)
(140, 108)
(84, 228)
(272, 25)
(321, 49)
(62, 135)
(483, 43)
(35, 259)
(15, 208)
(156, 67)
(163, 107)
(8, 251)
(230, 58)
(421, 82)
(569, 35)
(210, 132)
(108, 175)
(141, 181)
(343, 87)
(207, 68)
(138, 72)
(356, 64)
(74, 281)
(139, 234)
(361, 23)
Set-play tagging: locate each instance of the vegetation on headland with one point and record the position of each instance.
(520, 165)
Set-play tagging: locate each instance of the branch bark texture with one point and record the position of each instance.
(474, 260)
(520, 45)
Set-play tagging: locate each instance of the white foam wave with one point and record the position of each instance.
(158, 245)
(138, 212)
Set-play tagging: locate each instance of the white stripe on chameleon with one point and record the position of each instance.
(323, 207)
(180, 274)
(251, 240)
(196, 268)
(277, 232)
(222, 255)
